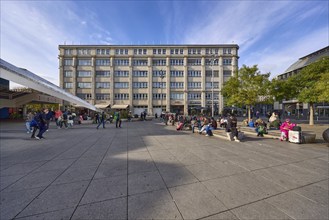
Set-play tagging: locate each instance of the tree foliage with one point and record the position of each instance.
(281, 89)
(322, 87)
(247, 87)
(311, 84)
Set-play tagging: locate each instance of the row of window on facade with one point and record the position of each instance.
(155, 73)
(144, 51)
(142, 85)
(144, 96)
(155, 62)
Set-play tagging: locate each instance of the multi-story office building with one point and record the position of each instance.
(294, 107)
(174, 78)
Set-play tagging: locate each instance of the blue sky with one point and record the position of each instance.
(271, 34)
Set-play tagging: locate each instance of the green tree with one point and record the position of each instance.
(309, 85)
(322, 87)
(281, 89)
(247, 87)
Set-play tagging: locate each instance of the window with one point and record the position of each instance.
(103, 96)
(159, 73)
(209, 96)
(121, 73)
(121, 96)
(140, 96)
(209, 73)
(194, 73)
(103, 74)
(139, 85)
(194, 51)
(176, 51)
(102, 62)
(103, 51)
(121, 85)
(194, 62)
(84, 95)
(68, 73)
(83, 51)
(227, 51)
(68, 85)
(194, 85)
(68, 51)
(84, 62)
(140, 73)
(159, 62)
(84, 85)
(140, 62)
(140, 51)
(159, 96)
(194, 96)
(176, 62)
(209, 62)
(227, 61)
(102, 85)
(209, 85)
(227, 75)
(159, 51)
(68, 62)
(84, 74)
(176, 73)
(177, 96)
(159, 85)
(121, 51)
(121, 62)
(211, 50)
(177, 85)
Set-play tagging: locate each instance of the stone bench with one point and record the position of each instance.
(308, 137)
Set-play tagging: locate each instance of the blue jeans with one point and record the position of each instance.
(209, 130)
(101, 122)
(28, 127)
(42, 129)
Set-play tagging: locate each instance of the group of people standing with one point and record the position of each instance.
(101, 120)
(40, 120)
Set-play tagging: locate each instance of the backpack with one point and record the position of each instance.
(297, 128)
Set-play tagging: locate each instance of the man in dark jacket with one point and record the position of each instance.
(42, 123)
(102, 120)
(232, 123)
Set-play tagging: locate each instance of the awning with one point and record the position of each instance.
(31, 80)
(119, 106)
(102, 105)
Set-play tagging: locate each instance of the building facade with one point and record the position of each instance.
(294, 107)
(152, 78)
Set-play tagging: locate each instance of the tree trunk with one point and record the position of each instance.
(311, 113)
(248, 107)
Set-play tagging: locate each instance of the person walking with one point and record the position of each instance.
(42, 123)
(102, 120)
(58, 115)
(64, 120)
(117, 119)
(49, 116)
(29, 118)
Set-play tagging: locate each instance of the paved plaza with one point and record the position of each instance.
(146, 170)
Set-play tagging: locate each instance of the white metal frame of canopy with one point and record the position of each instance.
(31, 80)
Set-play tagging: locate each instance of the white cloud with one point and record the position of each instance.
(32, 31)
(259, 29)
(278, 61)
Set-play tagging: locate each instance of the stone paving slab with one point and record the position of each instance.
(146, 170)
